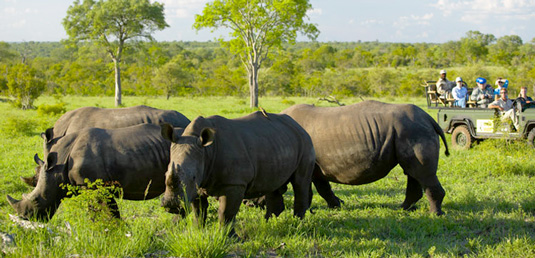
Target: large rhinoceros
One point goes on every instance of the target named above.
(135, 157)
(89, 117)
(361, 143)
(233, 159)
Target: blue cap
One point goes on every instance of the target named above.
(481, 80)
(505, 84)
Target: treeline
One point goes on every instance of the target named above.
(303, 69)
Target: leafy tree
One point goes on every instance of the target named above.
(256, 27)
(475, 45)
(6, 53)
(25, 84)
(111, 24)
(175, 75)
(505, 49)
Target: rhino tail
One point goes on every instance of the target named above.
(440, 132)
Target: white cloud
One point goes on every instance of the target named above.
(9, 11)
(315, 11)
(371, 22)
(183, 8)
(479, 10)
(406, 21)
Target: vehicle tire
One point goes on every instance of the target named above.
(461, 138)
(531, 138)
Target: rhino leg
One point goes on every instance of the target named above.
(435, 195)
(325, 191)
(200, 207)
(274, 204)
(229, 204)
(301, 182)
(413, 193)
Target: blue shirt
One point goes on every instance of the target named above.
(459, 93)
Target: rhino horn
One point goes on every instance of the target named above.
(38, 160)
(29, 181)
(12, 201)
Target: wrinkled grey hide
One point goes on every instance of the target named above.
(361, 143)
(136, 157)
(234, 159)
(89, 117)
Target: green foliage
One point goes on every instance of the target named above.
(489, 204)
(13, 125)
(89, 202)
(256, 27)
(25, 84)
(111, 24)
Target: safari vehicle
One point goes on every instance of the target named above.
(470, 124)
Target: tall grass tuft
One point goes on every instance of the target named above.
(194, 241)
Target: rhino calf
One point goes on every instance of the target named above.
(361, 143)
(135, 157)
(233, 159)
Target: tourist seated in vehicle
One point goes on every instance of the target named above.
(524, 100)
(444, 86)
(459, 93)
(483, 94)
(505, 105)
(500, 83)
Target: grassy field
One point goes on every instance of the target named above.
(489, 204)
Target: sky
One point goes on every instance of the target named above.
(403, 21)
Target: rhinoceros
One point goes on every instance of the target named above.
(233, 159)
(361, 143)
(88, 117)
(135, 157)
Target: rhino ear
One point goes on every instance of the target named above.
(51, 160)
(168, 132)
(38, 160)
(207, 137)
(48, 135)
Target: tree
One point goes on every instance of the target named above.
(505, 49)
(25, 84)
(111, 24)
(175, 75)
(475, 45)
(257, 26)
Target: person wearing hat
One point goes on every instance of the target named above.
(483, 94)
(444, 86)
(501, 83)
(505, 105)
(459, 93)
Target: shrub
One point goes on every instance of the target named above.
(93, 197)
(15, 125)
(54, 109)
(25, 85)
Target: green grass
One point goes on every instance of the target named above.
(489, 204)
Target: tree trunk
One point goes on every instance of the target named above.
(253, 86)
(117, 83)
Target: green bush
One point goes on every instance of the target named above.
(54, 109)
(92, 199)
(15, 125)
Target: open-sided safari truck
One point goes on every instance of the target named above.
(472, 123)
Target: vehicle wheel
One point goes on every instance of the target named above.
(461, 138)
(531, 138)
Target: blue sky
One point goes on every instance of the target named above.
(436, 21)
